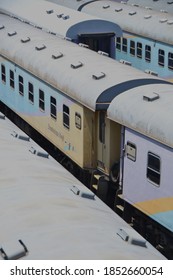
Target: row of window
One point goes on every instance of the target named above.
(136, 50)
(153, 163)
(53, 102)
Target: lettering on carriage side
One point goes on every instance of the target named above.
(56, 132)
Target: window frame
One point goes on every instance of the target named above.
(161, 57)
(124, 45)
(132, 48)
(148, 53)
(21, 85)
(41, 100)
(170, 65)
(31, 92)
(3, 73)
(153, 174)
(118, 43)
(139, 50)
(53, 108)
(66, 116)
(12, 79)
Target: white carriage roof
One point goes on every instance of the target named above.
(61, 20)
(164, 6)
(147, 110)
(84, 75)
(143, 22)
(38, 206)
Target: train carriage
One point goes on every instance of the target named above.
(146, 43)
(89, 31)
(146, 159)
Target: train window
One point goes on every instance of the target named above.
(170, 60)
(131, 151)
(78, 120)
(3, 73)
(66, 116)
(153, 168)
(139, 50)
(161, 57)
(11, 79)
(21, 87)
(41, 100)
(31, 92)
(53, 107)
(132, 47)
(147, 53)
(124, 45)
(118, 43)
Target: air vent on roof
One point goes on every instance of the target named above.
(103, 53)
(147, 16)
(148, 8)
(25, 40)
(38, 153)
(88, 195)
(57, 55)
(163, 11)
(12, 33)
(151, 96)
(125, 62)
(138, 242)
(123, 234)
(151, 72)
(83, 45)
(123, 2)
(16, 255)
(76, 65)
(21, 137)
(106, 6)
(132, 13)
(98, 76)
(40, 47)
(118, 10)
(49, 12)
(2, 27)
(162, 20)
(135, 5)
(60, 15)
(65, 17)
(170, 22)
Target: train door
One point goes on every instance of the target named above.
(108, 143)
(99, 42)
(101, 144)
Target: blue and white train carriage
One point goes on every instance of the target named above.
(89, 31)
(63, 91)
(147, 35)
